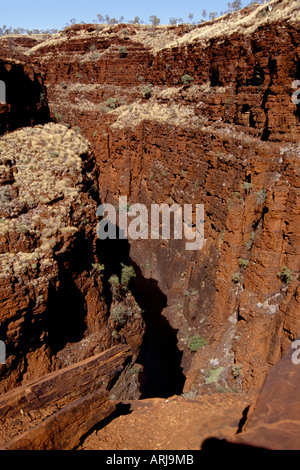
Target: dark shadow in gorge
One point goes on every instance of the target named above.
(26, 97)
(159, 355)
(65, 314)
(65, 317)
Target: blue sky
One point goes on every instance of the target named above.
(45, 14)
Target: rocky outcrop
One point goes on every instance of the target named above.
(178, 423)
(54, 310)
(274, 420)
(50, 286)
(53, 413)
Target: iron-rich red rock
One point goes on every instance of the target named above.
(274, 420)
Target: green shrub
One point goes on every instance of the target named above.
(244, 263)
(22, 228)
(114, 280)
(191, 293)
(135, 369)
(236, 277)
(285, 275)
(192, 393)
(127, 273)
(114, 283)
(247, 186)
(147, 90)
(123, 51)
(39, 300)
(186, 79)
(104, 109)
(125, 32)
(98, 267)
(118, 314)
(236, 370)
(93, 48)
(196, 342)
(249, 242)
(63, 85)
(6, 195)
(112, 103)
(57, 117)
(212, 375)
(261, 196)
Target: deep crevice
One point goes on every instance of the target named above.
(243, 419)
(162, 375)
(65, 315)
(159, 355)
(66, 312)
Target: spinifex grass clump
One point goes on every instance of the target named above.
(285, 275)
(196, 342)
(186, 79)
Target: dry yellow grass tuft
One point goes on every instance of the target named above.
(47, 160)
(47, 176)
(130, 116)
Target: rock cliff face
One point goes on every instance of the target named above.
(227, 138)
(276, 427)
(44, 211)
(53, 311)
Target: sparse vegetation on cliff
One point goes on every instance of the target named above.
(131, 115)
(196, 342)
(48, 169)
(244, 263)
(236, 277)
(212, 375)
(186, 79)
(124, 308)
(98, 267)
(127, 273)
(261, 196)
(123, 51)
(286, 275)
